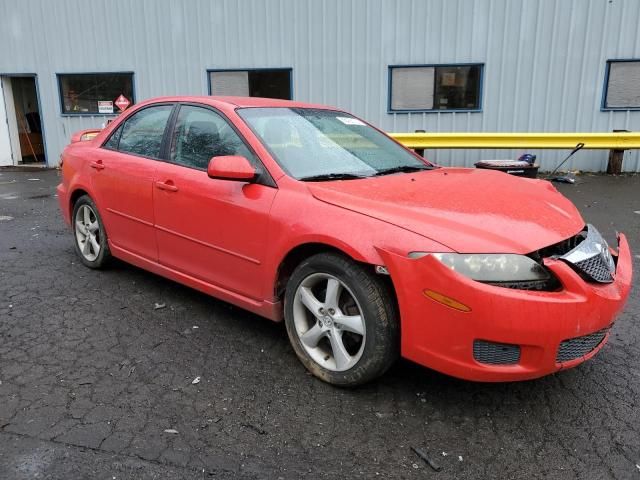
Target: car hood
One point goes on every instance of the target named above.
(468, 210)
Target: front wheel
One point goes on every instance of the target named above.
(341, 320)
(90, 236)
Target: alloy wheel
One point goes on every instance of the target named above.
(87, 231)
(329, 322)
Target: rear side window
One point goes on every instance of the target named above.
(142, 133)
(201, 134)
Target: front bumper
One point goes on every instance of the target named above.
(63, 201)
(442, 338)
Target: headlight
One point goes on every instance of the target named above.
(491, 267)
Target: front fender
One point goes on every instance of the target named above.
(297, 218)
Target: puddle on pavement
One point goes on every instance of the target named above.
(13, 196)
(35, 463)
(46, 195)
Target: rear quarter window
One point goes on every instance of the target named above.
(114, 139)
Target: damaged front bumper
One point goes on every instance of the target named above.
(528, 334)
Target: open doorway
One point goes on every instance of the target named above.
(22, 142)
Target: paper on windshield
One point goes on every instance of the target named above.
(351, 121)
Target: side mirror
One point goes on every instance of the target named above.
(231, 167)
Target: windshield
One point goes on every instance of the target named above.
(314, 144)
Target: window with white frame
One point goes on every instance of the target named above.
(435, 87)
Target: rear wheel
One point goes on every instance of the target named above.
(89, 234)
(341, 320)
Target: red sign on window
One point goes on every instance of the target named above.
(122, 103)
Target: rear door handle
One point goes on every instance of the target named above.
(98, 165)
(168, 186)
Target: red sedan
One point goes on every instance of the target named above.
(308, 214)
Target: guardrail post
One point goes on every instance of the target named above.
(615, 158)
(615, 162)
(420, 151)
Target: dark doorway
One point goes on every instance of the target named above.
(24, 120)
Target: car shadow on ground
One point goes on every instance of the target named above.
(403, 377)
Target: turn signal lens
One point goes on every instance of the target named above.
(448, 301)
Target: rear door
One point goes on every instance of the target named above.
(122, 178)
(213, 230)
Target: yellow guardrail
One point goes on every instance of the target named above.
(604, 141)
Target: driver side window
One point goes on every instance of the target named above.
(200, 134)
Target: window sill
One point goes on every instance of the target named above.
(465, 110)
(619, 109)
(87, 114)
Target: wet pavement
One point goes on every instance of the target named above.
(92, 376)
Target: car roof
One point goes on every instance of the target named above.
(237, 102)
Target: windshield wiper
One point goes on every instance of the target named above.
(331, 176)
(404, 169)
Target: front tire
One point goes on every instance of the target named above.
(89, 234)
(341, 319)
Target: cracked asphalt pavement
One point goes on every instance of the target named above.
(93, 375)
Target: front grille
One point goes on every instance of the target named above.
(549, 285)
(495, 353)
(596, 269)
(579, 346)
(587, 253)
(563, 247)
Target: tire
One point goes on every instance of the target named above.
(352, 335)
(89, 234)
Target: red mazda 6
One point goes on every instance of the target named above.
(308, 214)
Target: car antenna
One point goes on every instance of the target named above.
(565, 178)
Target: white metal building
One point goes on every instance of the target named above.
(435, 65)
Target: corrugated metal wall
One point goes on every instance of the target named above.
(544, 60)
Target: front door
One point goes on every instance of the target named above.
(6, 156)
(213, 230)
(122, 174)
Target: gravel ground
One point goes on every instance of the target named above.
(92, 377)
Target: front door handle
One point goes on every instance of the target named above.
(98, 165)
(168, 186)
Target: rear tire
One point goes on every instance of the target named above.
(341, 319)
(90, 237)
